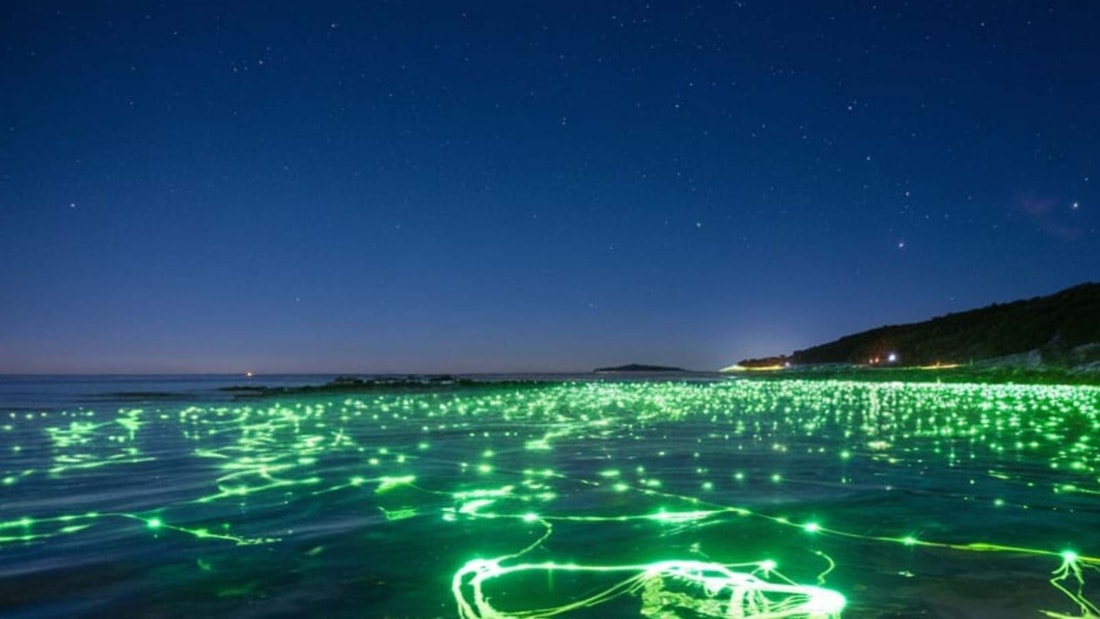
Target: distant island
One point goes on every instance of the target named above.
(356, 384)
(1059, 331)
(638, 367)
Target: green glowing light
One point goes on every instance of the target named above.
(389, 483)
(394, 515)
(278, 455)
(664, 589)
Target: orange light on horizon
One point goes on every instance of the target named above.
(939, 366)
(760, 368)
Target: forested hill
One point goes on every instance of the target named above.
(1061, 329)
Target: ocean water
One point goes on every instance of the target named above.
(168, 497)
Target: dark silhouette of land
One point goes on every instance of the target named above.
(1060, 331)
(638, 367)
(356, 384)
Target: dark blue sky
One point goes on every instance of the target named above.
(515, 186)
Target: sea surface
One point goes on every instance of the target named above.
(167, 496)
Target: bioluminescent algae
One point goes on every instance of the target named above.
(740, 498)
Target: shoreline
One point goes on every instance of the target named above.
(447, 382)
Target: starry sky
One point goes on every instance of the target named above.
(528, 186)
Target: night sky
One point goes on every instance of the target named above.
(520, 186)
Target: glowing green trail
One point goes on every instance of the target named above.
(807, 474)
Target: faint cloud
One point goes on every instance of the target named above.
(1049, 216)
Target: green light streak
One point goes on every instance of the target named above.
(506, 455)
(38, 529)
(699, 588)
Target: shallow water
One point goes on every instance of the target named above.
(161, 496)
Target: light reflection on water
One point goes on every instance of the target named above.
(367, 504)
